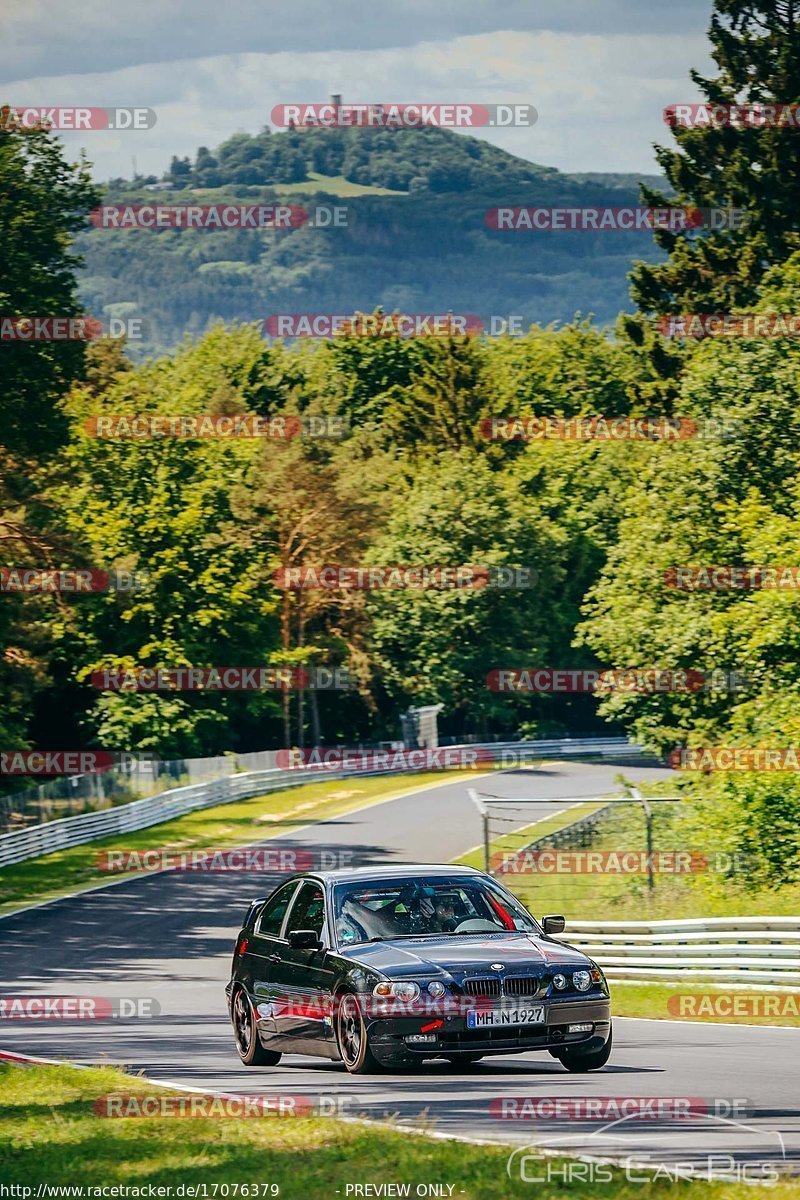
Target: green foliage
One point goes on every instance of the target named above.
(43, 202)
(756, 47)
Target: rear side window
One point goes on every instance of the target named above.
(274, 910)
(309, 910)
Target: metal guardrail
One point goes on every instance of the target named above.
(76, 830)
(710, 949)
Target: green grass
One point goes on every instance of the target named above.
(628, 897)
(334, 185)
(52, 1135)
(225, 825)
(619, 897)
(331, 185)
(652, 1001)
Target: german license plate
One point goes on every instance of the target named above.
(494, 1018)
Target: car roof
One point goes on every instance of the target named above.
(399, 871)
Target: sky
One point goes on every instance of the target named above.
(598, 73)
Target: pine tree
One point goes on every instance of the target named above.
(756, 45)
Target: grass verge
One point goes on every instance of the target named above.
(52, 1135)
(717, 1004)
(623, 897)
(226, 825)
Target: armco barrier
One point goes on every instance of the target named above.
(712, 949)
(41, 839)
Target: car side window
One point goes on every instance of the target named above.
(308, 910)
(273, 912)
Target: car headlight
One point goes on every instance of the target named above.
(400, 991)
(436, 989)
(560, 982)
(582, 980)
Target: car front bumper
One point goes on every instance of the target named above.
(388, 1036)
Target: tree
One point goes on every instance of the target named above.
(43, 203)
(756, 46)
(446, 398)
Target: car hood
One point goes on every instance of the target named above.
(464, 955)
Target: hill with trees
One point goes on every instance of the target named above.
(416, 238)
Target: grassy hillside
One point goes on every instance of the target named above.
(416, 236)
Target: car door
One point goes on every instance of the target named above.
(264, 955)
(307, 976)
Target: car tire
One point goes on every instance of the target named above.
(245, 1034)
(351, 1037)
(578, 1062)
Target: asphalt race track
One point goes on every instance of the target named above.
(169, 937)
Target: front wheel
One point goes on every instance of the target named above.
(578, 1061)
(248, 1045)
(351, 1037)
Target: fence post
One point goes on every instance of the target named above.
(483, 810)
(648, 817)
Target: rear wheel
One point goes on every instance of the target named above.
(578, 1061)
(248, 1045)
(351, 1037)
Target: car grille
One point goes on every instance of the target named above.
(521, 985)
(512, 985)
(482, 987)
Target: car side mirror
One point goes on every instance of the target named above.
(553, 924)
(303, 939)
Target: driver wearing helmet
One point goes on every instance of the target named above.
(445, 914)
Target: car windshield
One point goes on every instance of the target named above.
(379, 910)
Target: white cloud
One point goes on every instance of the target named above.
(599, 96)
(42, 38)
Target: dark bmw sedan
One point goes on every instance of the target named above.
(381, 967)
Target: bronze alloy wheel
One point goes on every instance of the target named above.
(351, 1036)
(248, 1045)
